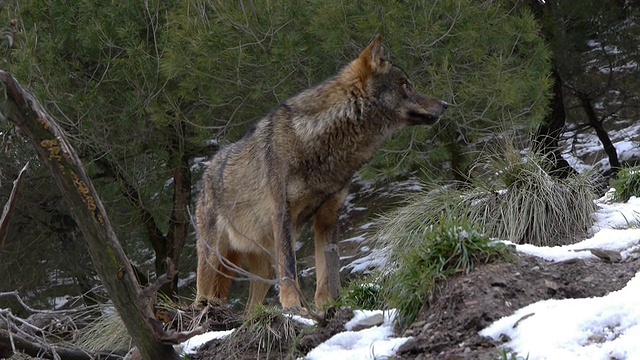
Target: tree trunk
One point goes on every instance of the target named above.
(180, 220)
(549, 132)
(596, 124)
(53, 148)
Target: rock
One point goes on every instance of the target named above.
(426, 326)
(551, 285)
(597, 338)
(607, 255)
(419, 324)
(453, 357)
(371, 321)
(499, 282)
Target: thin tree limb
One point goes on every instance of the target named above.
(9, 208)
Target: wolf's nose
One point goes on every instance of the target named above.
(444, 104)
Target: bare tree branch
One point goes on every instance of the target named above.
(9, 208)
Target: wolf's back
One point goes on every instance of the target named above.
(236, 184)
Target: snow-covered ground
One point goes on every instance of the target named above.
(606, 327)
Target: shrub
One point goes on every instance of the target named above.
(447, 229)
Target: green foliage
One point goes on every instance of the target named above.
(484, 58)
(627, 184)
(132, 72)
(363, 294)
(423, 257)
(93, 65)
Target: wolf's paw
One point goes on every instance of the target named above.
(296, 310)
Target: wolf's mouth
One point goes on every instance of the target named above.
(419, 118)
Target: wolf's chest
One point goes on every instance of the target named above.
(304, 200)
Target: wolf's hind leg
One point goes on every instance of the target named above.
(259, 265)
(216, 262)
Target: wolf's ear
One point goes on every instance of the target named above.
(371, 56)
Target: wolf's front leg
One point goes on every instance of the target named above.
(325, 226)
(286, 261)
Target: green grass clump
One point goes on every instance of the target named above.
(627, 184)
(364, 294)
(507, 354)
(443, 246)
(446, 230)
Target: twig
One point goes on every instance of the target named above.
(23, 335)
(31, 310)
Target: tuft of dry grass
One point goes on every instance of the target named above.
(106, 332)
(266, 333)
(519, 201)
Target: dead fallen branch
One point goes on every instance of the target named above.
(44, 350)
(40, 334)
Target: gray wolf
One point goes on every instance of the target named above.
(295, 167)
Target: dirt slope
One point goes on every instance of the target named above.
(448, 329)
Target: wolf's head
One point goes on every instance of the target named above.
(391, 91)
